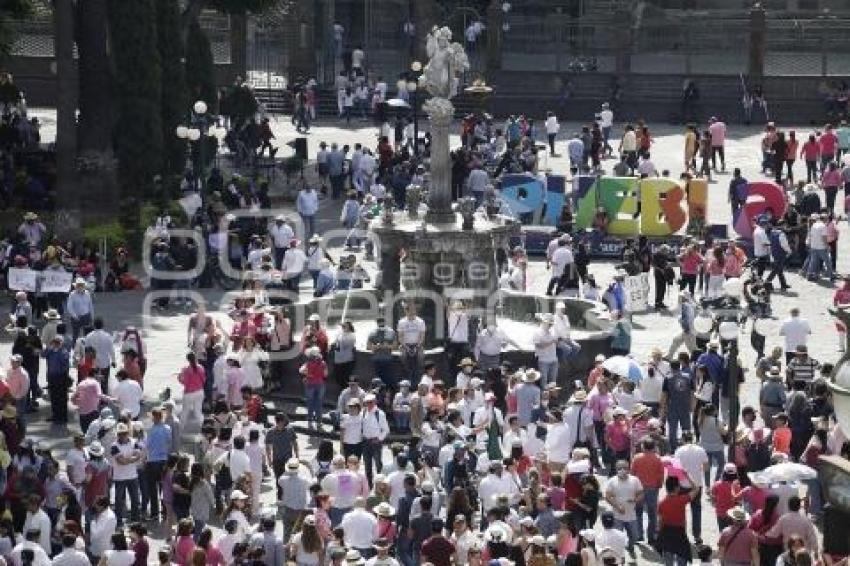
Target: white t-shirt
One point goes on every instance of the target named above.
(293, 262)
(357, 57)
(561, 257)
(544, 350)
(552, 125)
(692, 458)
(124, 471)
(616, 540)
(606, 119)
(817, 236)
(410, 331)
(629, 142)
(796, 331)
(129, 394)
(761, 243)
(562, 326)
(120, 557)
(625, 493)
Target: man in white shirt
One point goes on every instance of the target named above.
(544, 350)
(477, 183)
(236, 459)
(342, 486)
(125, 456)
(552, 129)
(694, 461)
(307, 205)
(796, 331)
(559, 442)
(623, 492)
(375, 430)
(294, 263)
(411, 335)
(490, 486)
(611, 539)
(129, 394)
(104, 351)
(761, 246)
(606, 121)
(30, 542)
(357, 57)
(359, 527)
(561, 259)
(489, 344)
(628, 146)
(70, 556)
(103, 526)
(282, 234)
(579, 419)
(458, 338)
(38, 520)
(819, 249)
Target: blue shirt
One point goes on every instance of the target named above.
(336, 159)
(159, 443)
(714, 365)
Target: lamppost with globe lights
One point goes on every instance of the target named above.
(413, 89)
(201, 125)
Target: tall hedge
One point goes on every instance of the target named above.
(138, 95)
(175, 99)
(200, 69)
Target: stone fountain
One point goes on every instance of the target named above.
(433, 258)
(834, 471)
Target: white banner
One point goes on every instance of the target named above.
(56, 281)
(22, 279)
(637, 292)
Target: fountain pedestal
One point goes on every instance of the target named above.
(440, 113)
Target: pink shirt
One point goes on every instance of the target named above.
(183, 550)
(811, 151)
(598, 404)
(18, 382)
(690, 263)
(831, 178)
(87, 397)
(828, 142)
(731, 265)
(192, 378)
(234, 387)
(618, 435)
(718, 134)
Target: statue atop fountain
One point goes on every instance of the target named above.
(440, 78)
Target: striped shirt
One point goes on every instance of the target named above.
(803, 369)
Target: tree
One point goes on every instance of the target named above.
(138, 95)
(11, 10)
(200, 70)
(95, 158)
(175, 99)
(66, 107)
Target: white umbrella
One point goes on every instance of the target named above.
(397, 103)
(788, 471)
(624, 367)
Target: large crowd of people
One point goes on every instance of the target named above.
(480, 463)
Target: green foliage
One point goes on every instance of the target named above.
(12, 10)
(138, 95)
(200, 69)
(175, 98)
(112, 231)
(239, 104)
(149, 212)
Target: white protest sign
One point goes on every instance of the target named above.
(22, 279)
(637, 292)
(56, 281)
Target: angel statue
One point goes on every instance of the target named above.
(446, 60)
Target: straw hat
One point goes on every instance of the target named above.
(530, 376)
(466, 362)
(384, 509)
(52, 314)
(737, 514)
(639, 409)
(580, 396)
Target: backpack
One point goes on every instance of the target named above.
(758, 456)
(223, 478)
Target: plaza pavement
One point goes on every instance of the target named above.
(165, 334)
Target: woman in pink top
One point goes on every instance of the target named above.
(842, 297)
(192, 377)
(810, 153)
(690, 262)
(830, 181)
(732, 265)
(792, 145)
(832, 236)
(714, 268)
(828, 143)
(184, 545)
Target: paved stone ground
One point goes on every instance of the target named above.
(165, 334)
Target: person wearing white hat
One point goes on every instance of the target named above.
(527, 395)
(18, 383)
(375, 431)
(488, 423)
(545, 340)
(126, 454)
(79, 307)
(292, 267)
(738, 544)
(281, 234)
